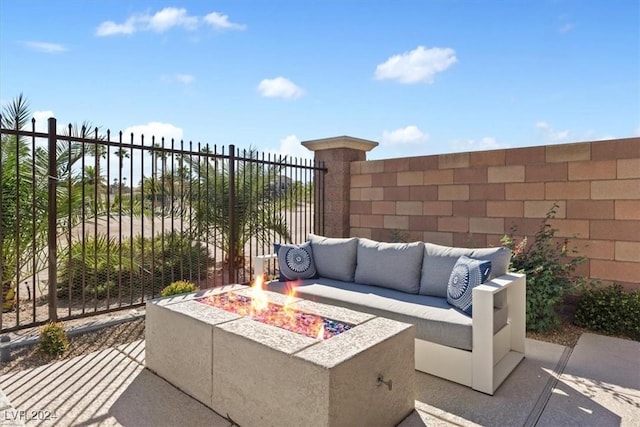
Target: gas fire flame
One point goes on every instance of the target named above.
(259, 300)
(320, 335)
(256, 306)
(260, 305)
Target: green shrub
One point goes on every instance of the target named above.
(610, 310)
(93, 267)
(549, 267)
(398, 236)
(53, 339)
(179, 287)
(171, 257)
(106, 267)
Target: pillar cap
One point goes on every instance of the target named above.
(340, 142)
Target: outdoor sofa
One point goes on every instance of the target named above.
(476, 342)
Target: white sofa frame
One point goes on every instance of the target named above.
(494, 356)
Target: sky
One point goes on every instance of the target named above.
(418, 77)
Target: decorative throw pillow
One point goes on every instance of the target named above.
(467, 274)
(296, 262)
(276, 248)
(439, 261)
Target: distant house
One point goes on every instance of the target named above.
(280, 184)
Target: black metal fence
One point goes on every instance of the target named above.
(92, 223)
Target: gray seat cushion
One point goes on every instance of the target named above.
(390, 265)
(439, 261)
(334, 258)
(435, 320)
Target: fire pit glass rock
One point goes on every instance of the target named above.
(282, 316)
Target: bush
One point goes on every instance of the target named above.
(549, 269)
(105, 267)
(92, 267)
(610, 310)
(398, 236)
(179, 287)
(170, 257)
(53, 339)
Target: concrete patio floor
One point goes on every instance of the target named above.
(595, 384)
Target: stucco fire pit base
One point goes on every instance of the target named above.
(261, 375)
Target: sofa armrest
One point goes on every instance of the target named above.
(259, 261)
(485, 347)
(515, 286)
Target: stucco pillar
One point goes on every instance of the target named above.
(336, 153)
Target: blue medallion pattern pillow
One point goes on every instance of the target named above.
(276, 249)
(296, 262)
(467, 274)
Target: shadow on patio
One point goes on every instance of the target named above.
(598, 383)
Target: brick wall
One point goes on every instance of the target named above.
(473, 199)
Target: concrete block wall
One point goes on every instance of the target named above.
(473, 199)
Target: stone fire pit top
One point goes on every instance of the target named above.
(327, 353)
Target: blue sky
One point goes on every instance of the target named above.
(419, 77)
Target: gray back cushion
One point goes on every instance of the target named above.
(390, 265)
(335, 258)
(439, 261)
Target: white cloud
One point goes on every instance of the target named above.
(637, 131)
(157, 129)
(291, 150)
(164, 20)
(185, 78)
(418, 66)
(42, 125)
(45, 47)
(110, 28)
(170, 17)
(550, 134)
(220, 21)
(407, 135)
(279, 88)
(179, 78)
(565, 28)
(485, 143)
(565, 25)
(291, 147)
(42, 120)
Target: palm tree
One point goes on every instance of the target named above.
(18, 225)
(122, 154)
(156, 155)
(98, 151)
(256, 212)
(151, 189)
(24, 178)
(91, 177)
(164, 178)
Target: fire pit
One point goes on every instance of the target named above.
(287, 362)
(257, 307)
